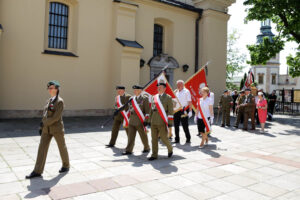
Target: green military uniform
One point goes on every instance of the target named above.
(135, 124)
(240, 110)
(225, 104)
(158, 126)
(52, 127)
(249, 111)
(118, 120)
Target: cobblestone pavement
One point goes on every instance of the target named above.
(235, 165)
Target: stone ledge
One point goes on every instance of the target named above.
(16, 114)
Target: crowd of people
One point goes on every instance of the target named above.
(249, 103)
(140, 114)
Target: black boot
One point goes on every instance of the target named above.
(63, 169)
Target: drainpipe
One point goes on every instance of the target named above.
(197, 42)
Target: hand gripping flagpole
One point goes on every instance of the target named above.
(123, 107)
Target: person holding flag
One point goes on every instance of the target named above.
(161, 117)
(121, 117)
(139, 115)
(204, 115)
(183, 115)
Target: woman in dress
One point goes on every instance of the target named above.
(205, 116)
(262, 107)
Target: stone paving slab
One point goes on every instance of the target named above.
(235, 164)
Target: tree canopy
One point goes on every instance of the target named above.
(285, 14)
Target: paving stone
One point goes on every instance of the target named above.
(127, 193)
(221, 186)
(11, 188)
(240, 180)
(104, 184)
(153, 188)
(177, 182)
(200, 192)
(94, 196)
(246, 194)
(267, 189)
(174, 195)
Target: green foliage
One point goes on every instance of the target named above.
(294, 63)
(261, 53)
(235, 59)
(285, 14)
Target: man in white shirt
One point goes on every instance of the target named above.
(184, 97)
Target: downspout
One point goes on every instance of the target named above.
(197, 42)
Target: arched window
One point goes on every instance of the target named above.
(158, 39)
(58, 26)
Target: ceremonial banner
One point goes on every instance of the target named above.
(151, 90)
(249, 80)
(194, 83)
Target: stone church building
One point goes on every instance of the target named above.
(90, 46)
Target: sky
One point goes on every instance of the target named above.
(249, 31)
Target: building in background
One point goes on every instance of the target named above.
(92, 46)
(267, 76)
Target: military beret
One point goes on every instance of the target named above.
(55, 83)
(120, 87)
(137, 87)
(225, 91)
(247, 89)
(242, 92)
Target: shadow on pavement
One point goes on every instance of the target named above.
(39, 186)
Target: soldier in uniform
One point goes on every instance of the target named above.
(240, 109)
(225, 103)
(249, 109)
(51, 126)
(161, 117)
(139, 115)
(120, 100)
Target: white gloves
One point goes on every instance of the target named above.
(211, 120)
(190, 114)
(195, 119)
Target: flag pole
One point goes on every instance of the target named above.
(163, 69)
(202, 67)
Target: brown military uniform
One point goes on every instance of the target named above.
(225, 104)
(52, 127)
(158, 126)
(118, 120)
(135, 124)
(240, 110)
(249, 111)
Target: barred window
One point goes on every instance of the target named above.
(58, 26)
(158, 40)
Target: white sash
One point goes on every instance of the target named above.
(124, 113)
(161, 109)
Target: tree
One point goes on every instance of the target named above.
(235, 59)
(285, 14)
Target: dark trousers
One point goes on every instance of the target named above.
(201, 125)
(185, 125)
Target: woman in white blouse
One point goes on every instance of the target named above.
(207, 111)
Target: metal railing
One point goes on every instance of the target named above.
(287, 108)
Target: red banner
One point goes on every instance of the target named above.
(194, 83)
(151, 90)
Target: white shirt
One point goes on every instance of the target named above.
(184, 96)
(212, 98)
(205, 103)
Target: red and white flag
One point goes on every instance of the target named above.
(123, 113)
(151, 90)
(194, 83)
(249, 80)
